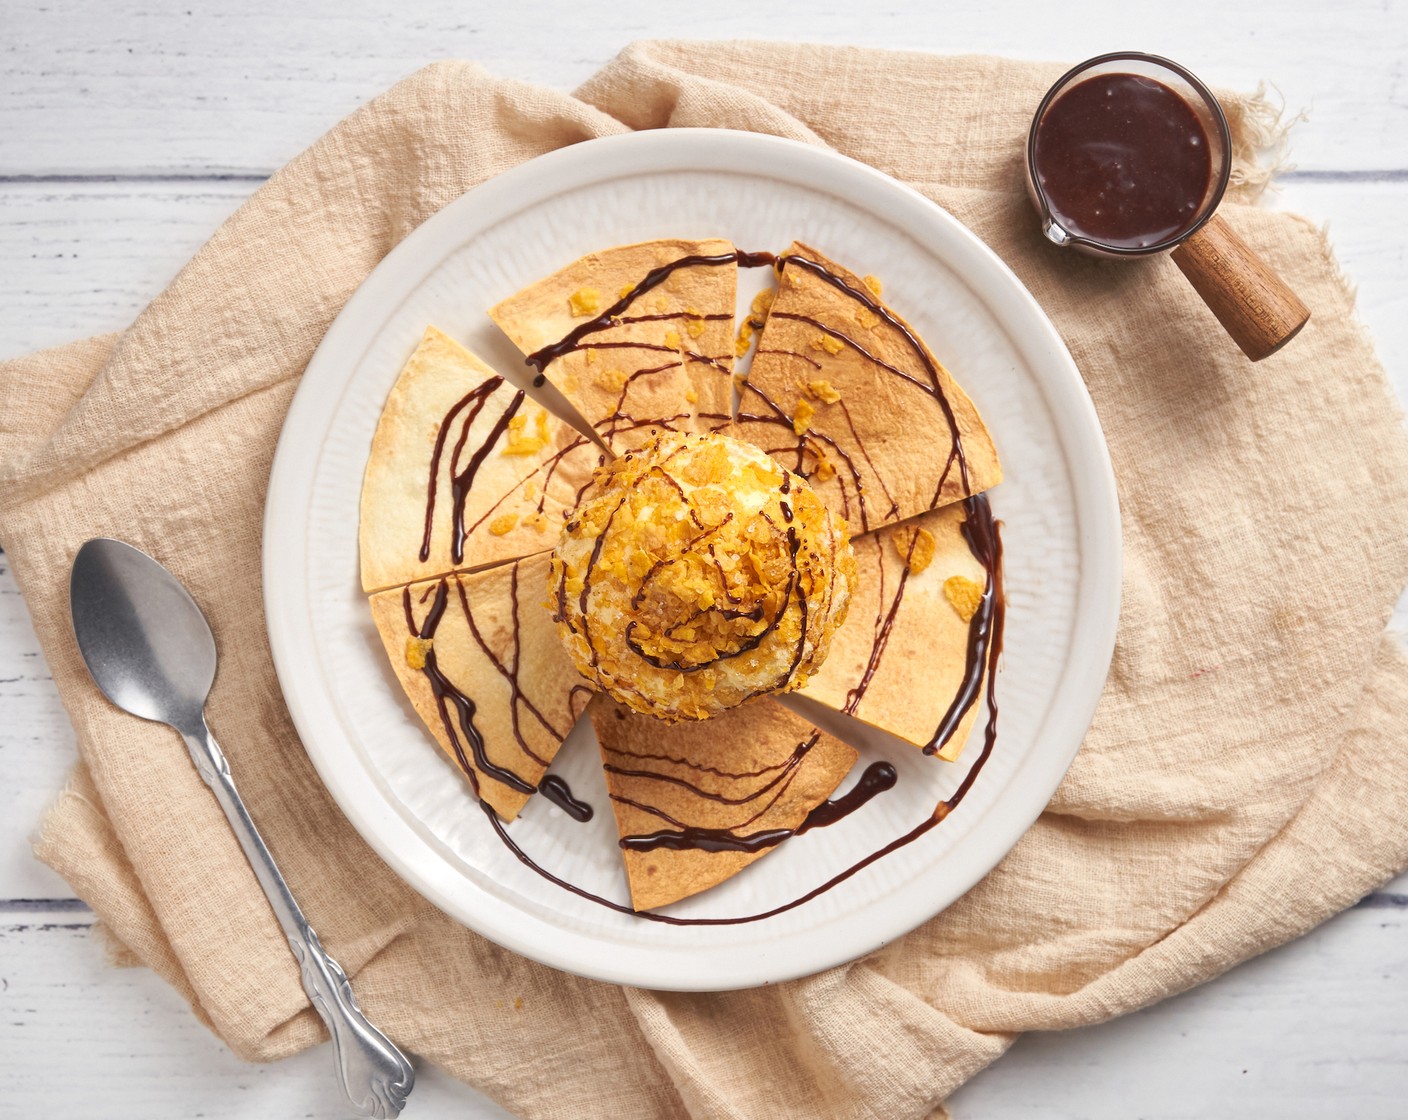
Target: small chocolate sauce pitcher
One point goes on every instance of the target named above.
(1129, 155)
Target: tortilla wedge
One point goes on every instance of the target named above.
(520, 469)
(482, 665)
(665, 360)
(903, 677)
(752, 769)
(843, 391)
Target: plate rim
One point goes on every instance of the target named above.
(1095, 501)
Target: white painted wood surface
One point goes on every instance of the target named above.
(131, 129)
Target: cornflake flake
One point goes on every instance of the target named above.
(521, 441)
(584, 302)
(745, 338)
(802, 417)
(416, 650)
(915, 546)
(965, 595)
(823, 391)
(612, 380)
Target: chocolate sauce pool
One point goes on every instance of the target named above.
(560, 794)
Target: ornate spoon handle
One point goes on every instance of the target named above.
(374, 1075)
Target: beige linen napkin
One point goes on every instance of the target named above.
(1244, 779)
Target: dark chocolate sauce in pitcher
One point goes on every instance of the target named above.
(1123, 160)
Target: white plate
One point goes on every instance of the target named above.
(1057, 503)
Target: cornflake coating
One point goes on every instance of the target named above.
(697, 573)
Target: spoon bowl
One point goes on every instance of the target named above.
(146, 642)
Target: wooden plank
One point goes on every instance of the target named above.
(82, 259)
(97, 86)
(1314, 1029)
(36, 748)
(1310, 1030)
(78, 1036)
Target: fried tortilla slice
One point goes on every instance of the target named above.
(461, 455)
(842, 389)
(901, 656)
(661, 358)
(483, 667)
(688, 796)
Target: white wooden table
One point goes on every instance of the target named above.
(129, 130)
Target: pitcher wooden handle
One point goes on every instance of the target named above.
(1252, 303)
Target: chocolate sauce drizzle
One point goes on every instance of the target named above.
(540, 359)
(984, 644)
(460, 728)
(935, 386)
(984, 641)
(461, 480)
(874, 780)
(779, 783)
(581, 336)
(878, 777)
(517, 699)
(968, 690)
(984, 629)
(795, 595)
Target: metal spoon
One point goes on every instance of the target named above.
(151, 651)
